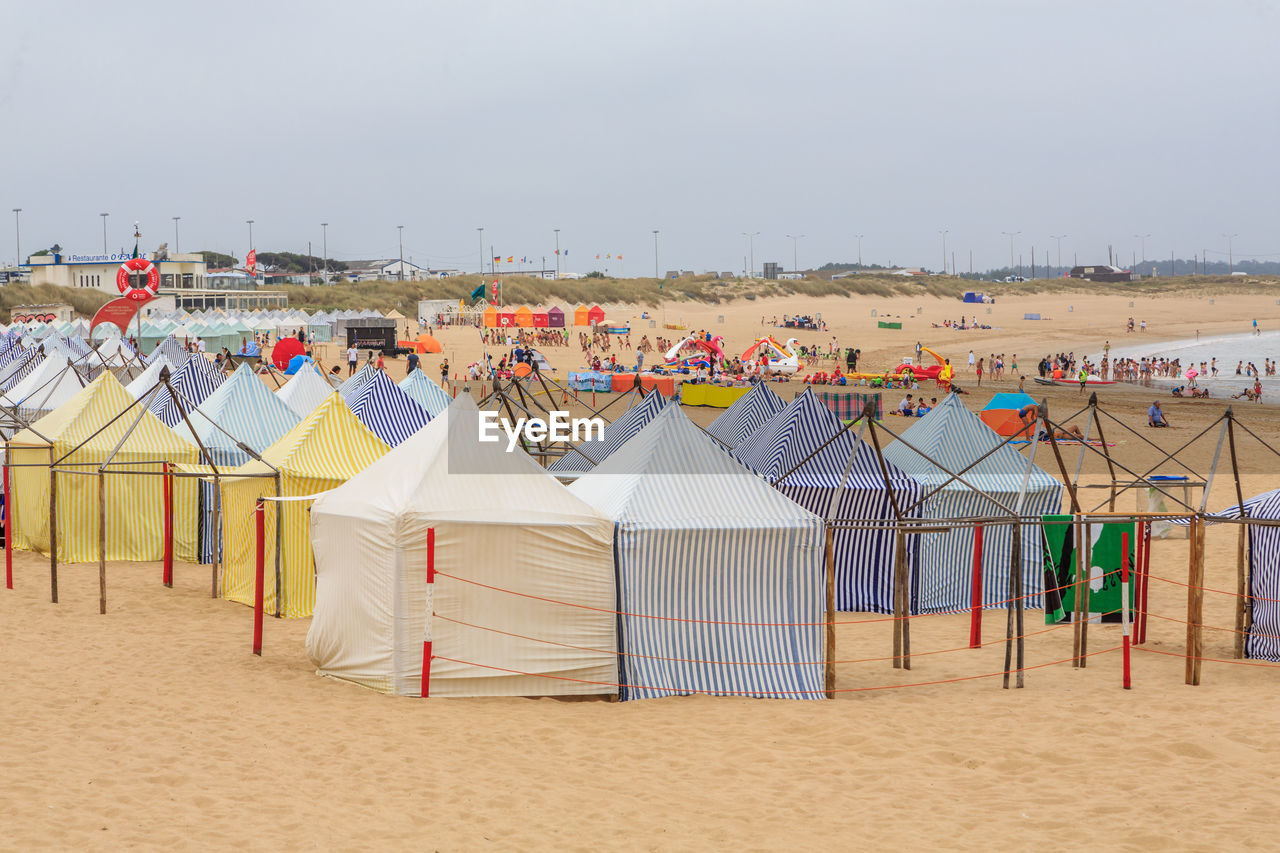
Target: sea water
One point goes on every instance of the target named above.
(1227, 349)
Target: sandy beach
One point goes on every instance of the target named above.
(153, 726)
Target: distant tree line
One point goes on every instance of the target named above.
(281, 261)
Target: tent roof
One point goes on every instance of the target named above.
(443, 471)
(615, 435)
(1009, 400)
(672, 475)
(194, 381)
(746, 415)
(352, 386)
(955, 437)
(245, 408)
(147, 380)
(305, 390)
(46, 388)
(426, 392)
(793, 435)
(329, 444)
(391, 413)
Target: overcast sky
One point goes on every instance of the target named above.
(895, 120)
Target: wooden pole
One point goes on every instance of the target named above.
(216, 527)
(975, 601)
(1019, 608)
(102, 541)
(1106, 452)
(1244, 608)
(897, 606)
(830, 668)
(1195, 603)
(1146, 577)
(53, 530)
(10, 524)
(903, 621)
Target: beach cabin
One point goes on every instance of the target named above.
(524, 317)
(595, 315)
(540, 320)
(721, 578)
(506, 319)
(808, 435)
(953, 439)
(555, 318)
(498, 524)
(490, 317)
(580, 317)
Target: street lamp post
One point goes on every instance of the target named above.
(751, 252)
(944, 234)
(557, 230)
(1231, 258)
(177, 246)
(17, 233)
(481, 233)
(250, 224)
(655, 253)
(324, 228)
(400, 266)
(859, 236)
(795, 251)
(1058, 237)
(1143, 238)
(1011, 235)
(104, 231)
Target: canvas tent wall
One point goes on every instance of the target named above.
(747, 414)
(193, 382)
(721, 578)
(135, 503)
(806, 432)
(1263, 639)
(499, 520)
(324, 450)
(427, 393)
(595, 450)
(955, 438)
(304, 391)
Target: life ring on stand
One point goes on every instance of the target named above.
(125, 279)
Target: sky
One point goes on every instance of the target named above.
(706, 121)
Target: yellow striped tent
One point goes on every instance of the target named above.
(329, 447)
(135, 503)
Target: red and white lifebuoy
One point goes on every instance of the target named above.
(124, 279)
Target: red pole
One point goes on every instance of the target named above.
(1124, 602)
(8, 528)
(975, 619)
(426, 644)
(168, 527)
(260, 519)
(1146, 583)
(1138, 549)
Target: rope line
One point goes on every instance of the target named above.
(824, 623)
(1211, 627)
(772, 692)
(1219, 591)
(1185, 656)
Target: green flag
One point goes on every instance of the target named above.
(478, 292)
(135, 248)
(1102, 584)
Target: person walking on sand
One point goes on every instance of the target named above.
(970, 361)
(444, 373)
(353, 356)
(979, 373)
(1084, 378)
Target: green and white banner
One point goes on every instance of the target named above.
(1101, 572)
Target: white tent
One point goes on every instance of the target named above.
(149, 377)
(536, 548)
(305, 390)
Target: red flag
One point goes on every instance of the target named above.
(251, 261)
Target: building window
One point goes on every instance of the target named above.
(166, 280)
(188, 280)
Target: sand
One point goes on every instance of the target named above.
(154, 726)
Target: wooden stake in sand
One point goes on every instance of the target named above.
(53, 530)
(1195, 602)
(829, 671)
(102, 541)
(8, 523)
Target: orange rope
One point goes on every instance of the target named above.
(1219, 591)
(1211, 660)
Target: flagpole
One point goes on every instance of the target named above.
(137, 317)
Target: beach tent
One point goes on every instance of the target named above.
(426, 392)
(721, 578)
(595, 450)
(746, 415)
(491, 317)
(524, 316)
(193, 382)
(21, 368)
(540, 320)
(955, 438)
(580, 316)
(135, 505)
(389, 412)
(807, 435)
(52, 383)
(147, 379)
(172, 350)
(326, 449)
(1001, 414)
(351, 387)
(506, 319)
(555, 317)
(500, 520)
(304, 391)
(595, 315)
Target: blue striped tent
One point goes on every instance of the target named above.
(864, 559)
(595, 450)
(746, 415)
(701, 543)
(352, 386)
(194, 381)
(247, 413)
(389, 413)
(173, 351)
(955, 437)
(20, 368)
(427, 393)
(1263, 641)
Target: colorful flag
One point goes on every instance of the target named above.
(597, 257)
(511, 259)
(619, 257)
(524, 259)
(497, 260)
(251, 261)
(478, 292)
(557, 251)
(566, 251)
